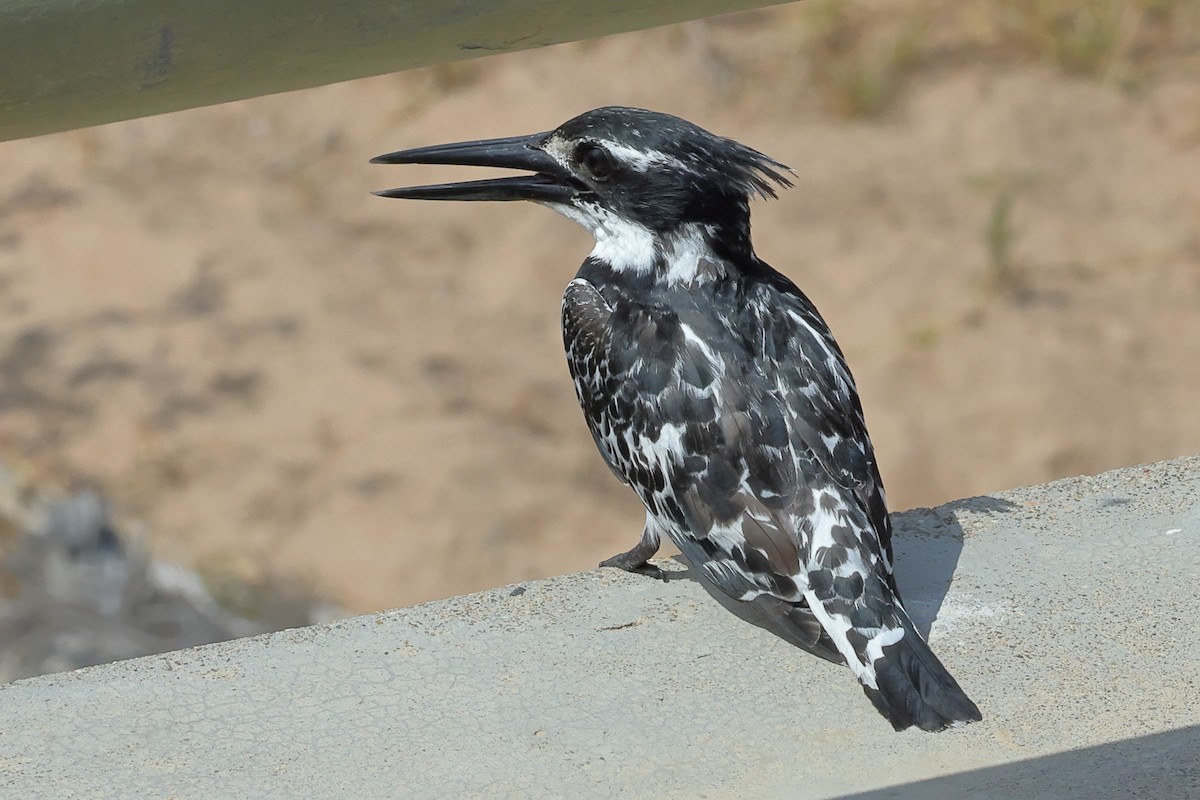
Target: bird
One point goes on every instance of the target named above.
(713, 388)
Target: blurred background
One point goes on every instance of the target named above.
(217, 344)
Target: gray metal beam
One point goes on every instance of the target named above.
(71, 63)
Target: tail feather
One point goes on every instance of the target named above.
(795, 623)
(915, 689)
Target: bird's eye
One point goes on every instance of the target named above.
(597, 162)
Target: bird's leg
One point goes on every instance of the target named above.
(637, 558)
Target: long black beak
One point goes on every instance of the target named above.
(550, 182)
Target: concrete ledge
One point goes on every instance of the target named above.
(1071, 620)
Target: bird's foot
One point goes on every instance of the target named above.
(633, 561)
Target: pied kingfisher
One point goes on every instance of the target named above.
(715, 390)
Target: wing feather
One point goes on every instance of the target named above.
(825, 411)
(739, 463)
(586, 336)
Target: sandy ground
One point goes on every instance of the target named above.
(208, 316)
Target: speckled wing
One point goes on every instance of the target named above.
(757, 455)
(709, 454)
(586, 337)
(825, 412)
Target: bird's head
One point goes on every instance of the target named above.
(637, 180)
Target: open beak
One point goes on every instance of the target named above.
(549, 181)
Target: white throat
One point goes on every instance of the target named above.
(683, 257)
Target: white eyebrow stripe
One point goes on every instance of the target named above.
(641, 160)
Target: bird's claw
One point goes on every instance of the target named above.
(624, 562)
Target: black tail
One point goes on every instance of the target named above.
(915, 689)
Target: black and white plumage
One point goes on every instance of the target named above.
(713, 388)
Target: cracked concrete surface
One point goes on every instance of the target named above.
(1069, 618)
